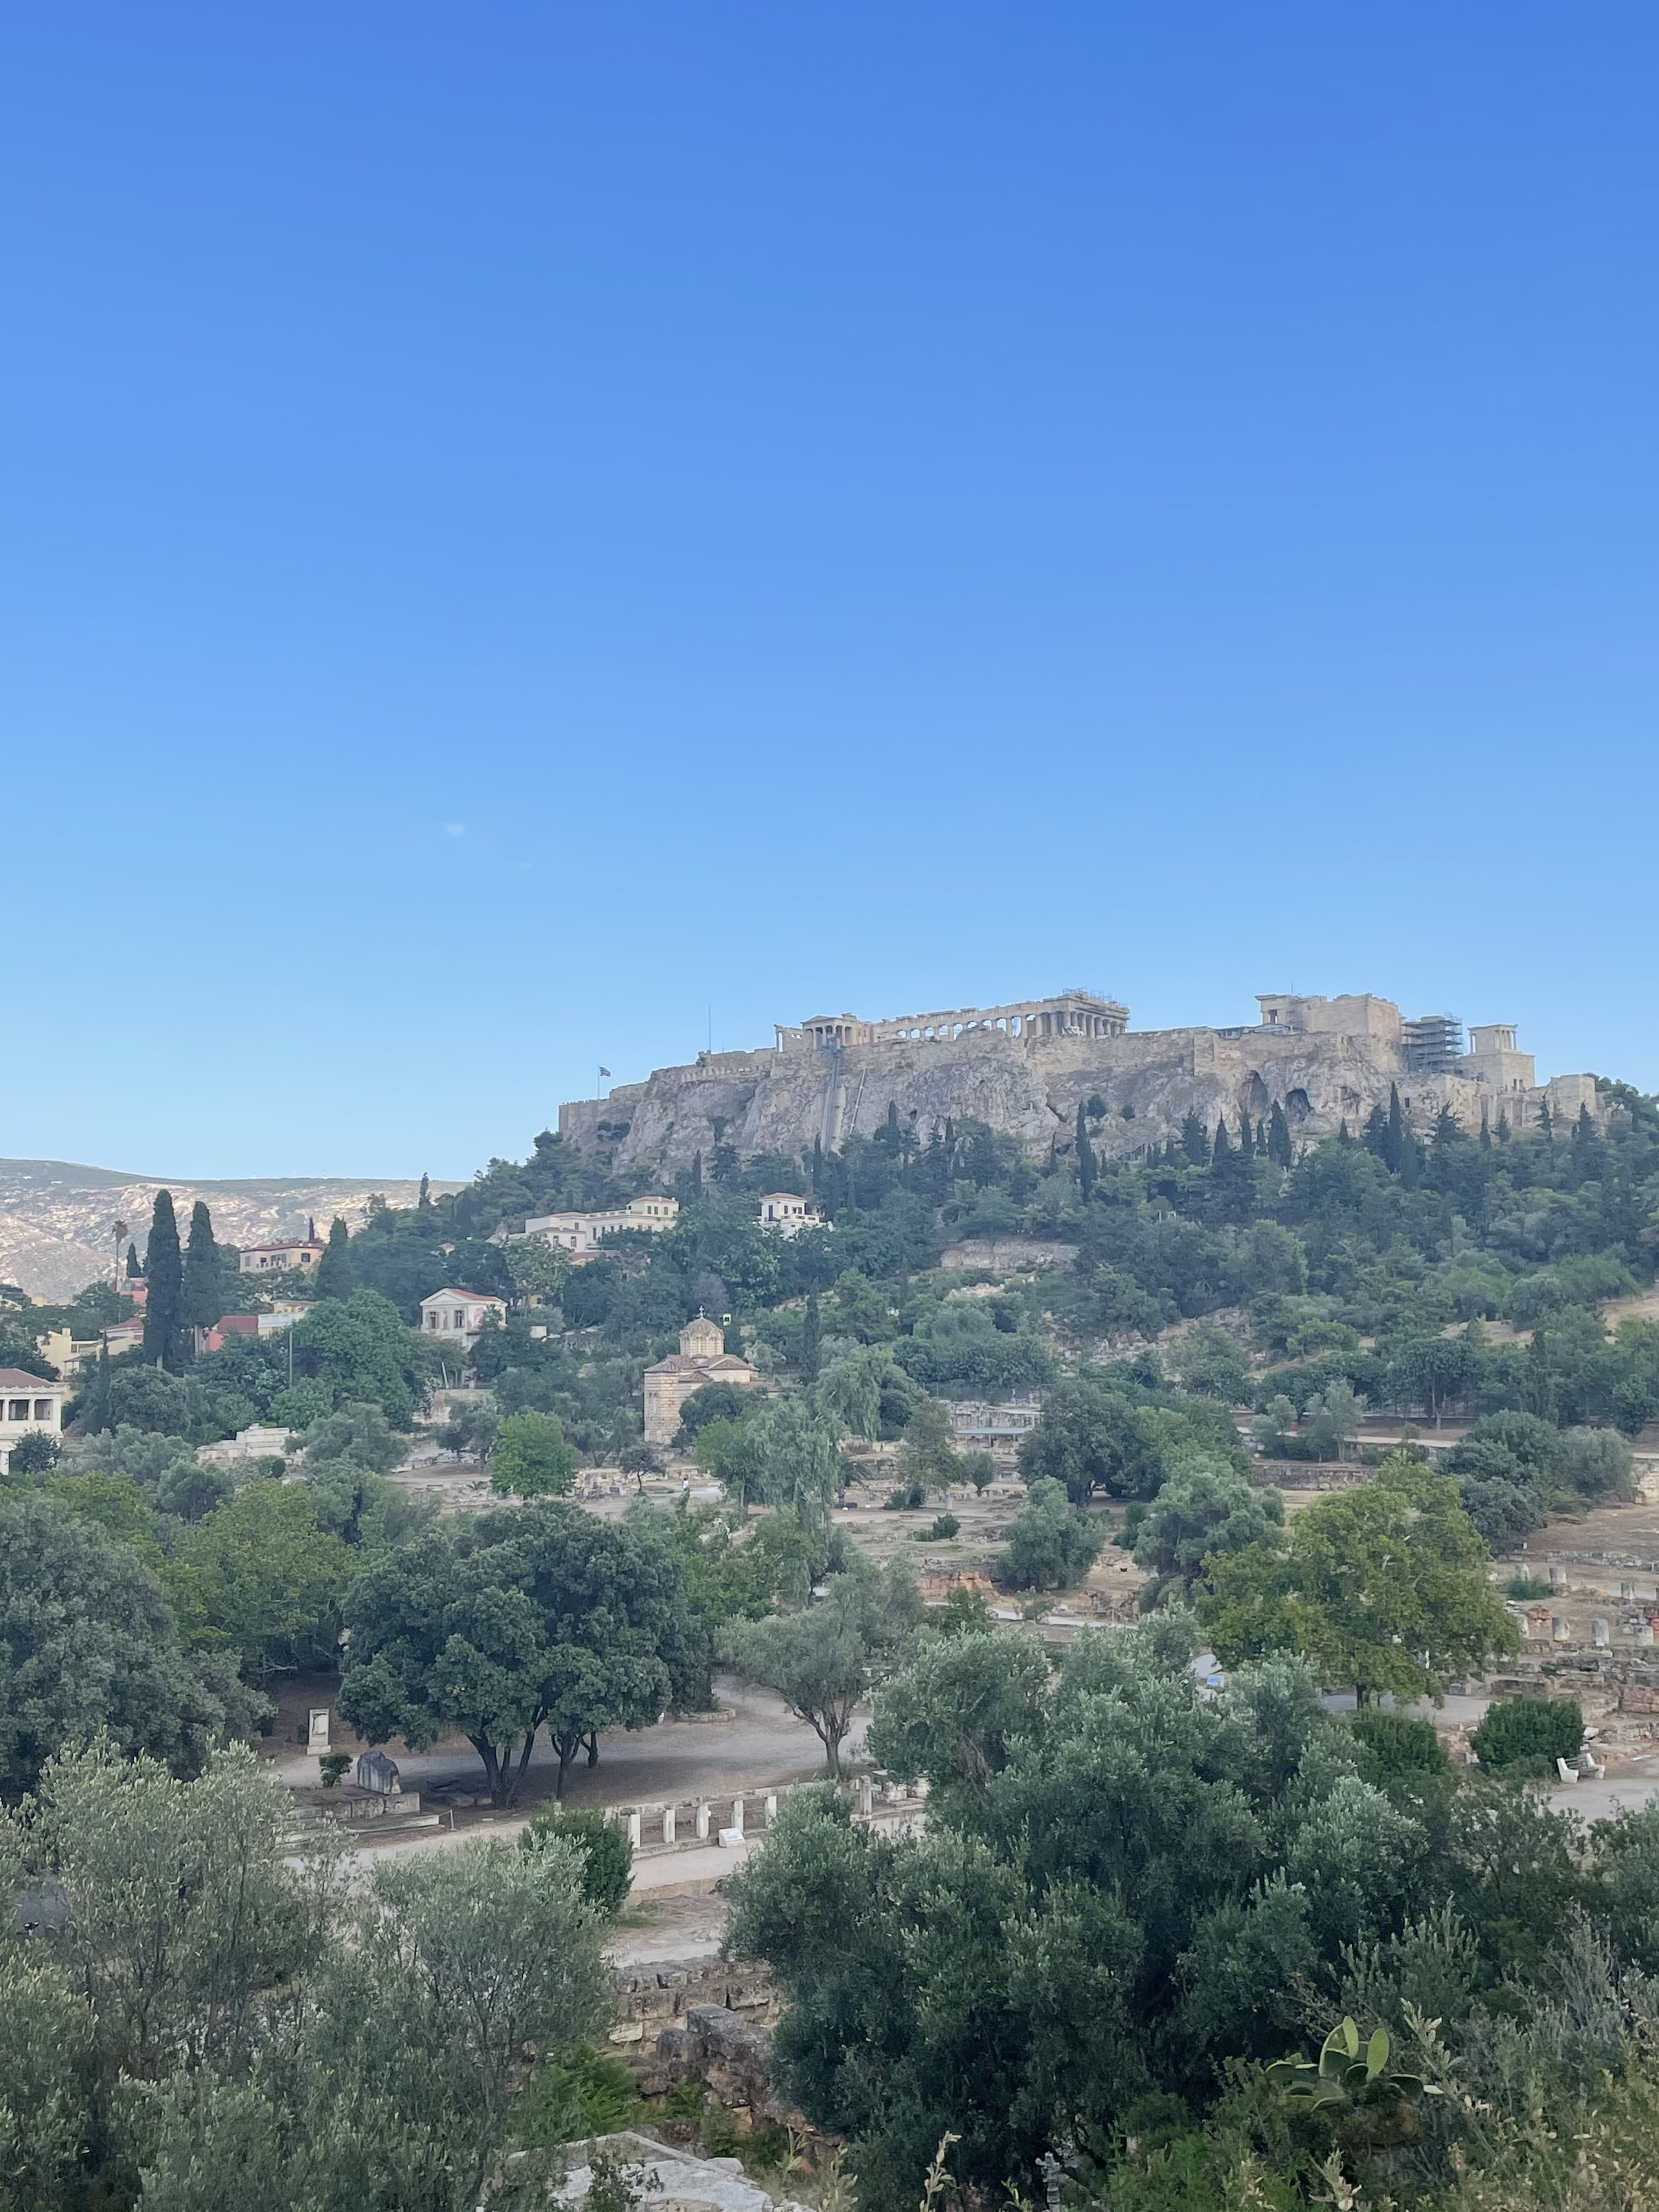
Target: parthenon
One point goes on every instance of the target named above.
(1067, 1014)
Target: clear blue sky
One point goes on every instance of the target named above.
(523, 523)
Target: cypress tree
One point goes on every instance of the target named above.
(425, 1202)
(1544, 1121)
(135, 1272)
(1221, 1148)
(1411, 1160)
(202, 1291)
(335, 1273)
(809, 1342)
(1375, 1134)
(1195, 1142)
(164, 1271)
(1502, 1124)
(1246, 1135)
(1485, 1134)
(98, 1396)
(1085, 1157)
(1394, 1139)
(1279, 1136)
(696, 1170)
(1583, 1129)
(1342, 1136)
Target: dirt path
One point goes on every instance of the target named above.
(763, 1743)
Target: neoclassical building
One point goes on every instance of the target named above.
(702, 1358)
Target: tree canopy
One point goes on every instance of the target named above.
(1383, 1587)
(514, 1621)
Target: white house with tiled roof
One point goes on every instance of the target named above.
(29, 1405)
(456, 1317)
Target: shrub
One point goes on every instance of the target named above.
(574, 2094)
(944, 1527)
(905, 1501)
(334, 1765)
(35, 1453)
(1526, 1586)
(1395, 1747)
(1524, 1737)
(607, 1855)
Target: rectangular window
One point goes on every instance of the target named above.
(17, 1409)
(43, 1409)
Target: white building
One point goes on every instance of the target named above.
(456, 1317)
(786, 1213)
(579, 1234)
(29, 1405)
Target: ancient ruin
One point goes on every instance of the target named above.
(1025, 1068)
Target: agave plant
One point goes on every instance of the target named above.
(1353, 2086)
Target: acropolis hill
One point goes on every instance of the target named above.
(1025, 1068)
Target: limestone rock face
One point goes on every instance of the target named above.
(1149, 1082)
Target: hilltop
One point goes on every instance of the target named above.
(1026, 1069)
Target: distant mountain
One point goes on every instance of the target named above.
(56, 1217)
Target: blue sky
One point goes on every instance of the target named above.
(525, 525)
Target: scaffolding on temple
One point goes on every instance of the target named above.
(1433, 1045)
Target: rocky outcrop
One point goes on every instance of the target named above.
(1029, 1088)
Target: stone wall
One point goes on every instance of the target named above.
(655, 1997)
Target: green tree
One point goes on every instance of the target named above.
(1051, 1544)
(163, 1344)
(88, 1643)
(356, 1430)
(180, 1914)
(715, 1401)
(392, 2077)
(259, 1574)
(607, 1857)
(1086, 1157)
(358, 1348)
(203, 1294)
(1394, 1134)
(46, 2058)
(1279, 1137)
(1522, 1738)
(539, 1270)
(729, 1453)
(822, 1661)
(809, 1342)
(335, 1277)
(524, 1617)
(1088, 1440)
(927, 1453)
(1208, 1361)
(1383, 1587)
(1203, 1511)
(1123, 1877)
(531, 1457)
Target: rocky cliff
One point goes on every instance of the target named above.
(1029, 1088)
